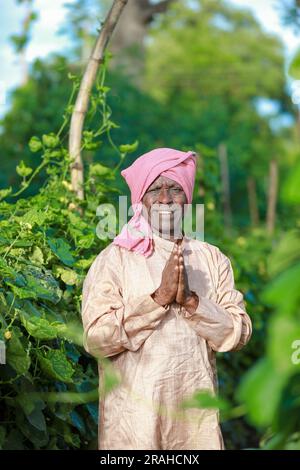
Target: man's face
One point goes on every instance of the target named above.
(163, 205)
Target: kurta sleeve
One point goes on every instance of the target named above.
(110, 325)
(223, 322)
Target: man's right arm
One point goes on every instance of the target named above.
(110, 325)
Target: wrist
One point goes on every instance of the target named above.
(192, 302)
(159, 298)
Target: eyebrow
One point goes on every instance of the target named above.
(172, 185)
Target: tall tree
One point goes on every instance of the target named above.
(82, 100)
(130, 35)
(21, 40)
(222, 151)
(215, 63)
(128, 41)
(272, 196)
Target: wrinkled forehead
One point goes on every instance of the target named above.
(164, 180)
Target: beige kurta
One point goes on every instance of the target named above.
(162, 354)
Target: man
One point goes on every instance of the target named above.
(160, 304)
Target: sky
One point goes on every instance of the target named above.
(45, 38)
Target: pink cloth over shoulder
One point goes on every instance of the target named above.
(179, 166)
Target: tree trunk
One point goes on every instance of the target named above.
(222, 151)
(252, 198)
(82, 101)
(129, 36)
(272, 196)
(200, 167)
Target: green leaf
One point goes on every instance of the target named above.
(103, 88)
(33, 216)
(4, 193)
(99, 170)
(113, 125)
(76, 220)
(32, 407)
(17, 357)
(37, 420)
(86, 241)
(38, 284)
(56, 154)
(62, 250)
(40, 328)
(127, 148)
(77, 421)
(84, 263)
(34, 435)
(205, 399)
(37, 256)
(291, 193)
(35, 144)
(72, 76)
(284, 291)
(22, 292)
(50, 140)
(10, 275)
(42, 283)
(92, 145)
(23, 170)
(55, 364)
(260, 390)
(26, 402)
(286, 253)
(72, 331)
(19, 41)
(283, 331)
(67, 275)
(72, 439)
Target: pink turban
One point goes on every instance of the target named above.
(179, 166)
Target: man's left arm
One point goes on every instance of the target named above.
(224, 323)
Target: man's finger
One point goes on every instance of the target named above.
(180, 290)
(174, 252)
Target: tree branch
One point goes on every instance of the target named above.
(82, 101)
(153, 9)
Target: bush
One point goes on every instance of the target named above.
(49, 385)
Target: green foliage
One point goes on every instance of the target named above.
(35, 144)
(49, 396)
(214, 64)
(193, 53)
(33, 114)
(21, 40)
(23, 170)
(205, 72)
(270, 390)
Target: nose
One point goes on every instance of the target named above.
(164, 196)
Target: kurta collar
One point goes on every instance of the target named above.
(165, 244)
